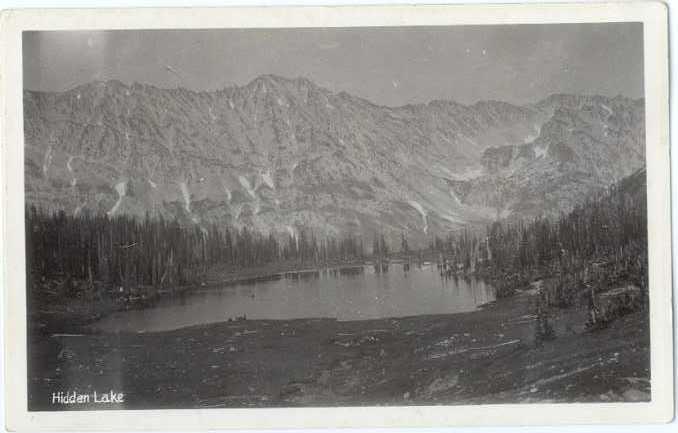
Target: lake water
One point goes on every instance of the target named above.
(345, 294)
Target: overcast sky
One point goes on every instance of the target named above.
(389, 66)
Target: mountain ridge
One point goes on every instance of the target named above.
(303, 79)
(282, 155)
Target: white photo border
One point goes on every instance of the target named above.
(653, 15)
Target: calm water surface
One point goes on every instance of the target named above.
(345, 294)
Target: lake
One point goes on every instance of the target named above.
(356, 293)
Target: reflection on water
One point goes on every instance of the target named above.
(346, 294)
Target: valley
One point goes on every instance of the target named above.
(528, 224)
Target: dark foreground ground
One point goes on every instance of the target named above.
(488, 356)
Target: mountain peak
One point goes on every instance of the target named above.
(267, 78)
(277, 80)
(283, 154)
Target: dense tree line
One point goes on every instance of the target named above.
(599, 242)
(380, 246)
(127, 251)
(602, 241)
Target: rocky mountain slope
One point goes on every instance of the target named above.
(587, 143)
(281, 155)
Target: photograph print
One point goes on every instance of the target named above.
(322, 217)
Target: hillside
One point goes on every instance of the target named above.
(281, 155)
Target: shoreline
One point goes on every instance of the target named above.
(484, 356)
(76, 315)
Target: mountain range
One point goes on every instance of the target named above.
(282, 155)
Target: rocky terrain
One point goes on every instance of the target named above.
(586, 144)
(487, 356)
(284, 155)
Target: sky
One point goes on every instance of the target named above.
(388, 66)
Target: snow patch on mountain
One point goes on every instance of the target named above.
(47, 161)
(424, 215)
(450, 218)
(78, 208)
(267, 179)
(237, 210)
(246, 184)
(74, 180)
(292, 232)
(534, 135)
(185, 193)
(467, 174)
(121, 189)
(455, 197)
